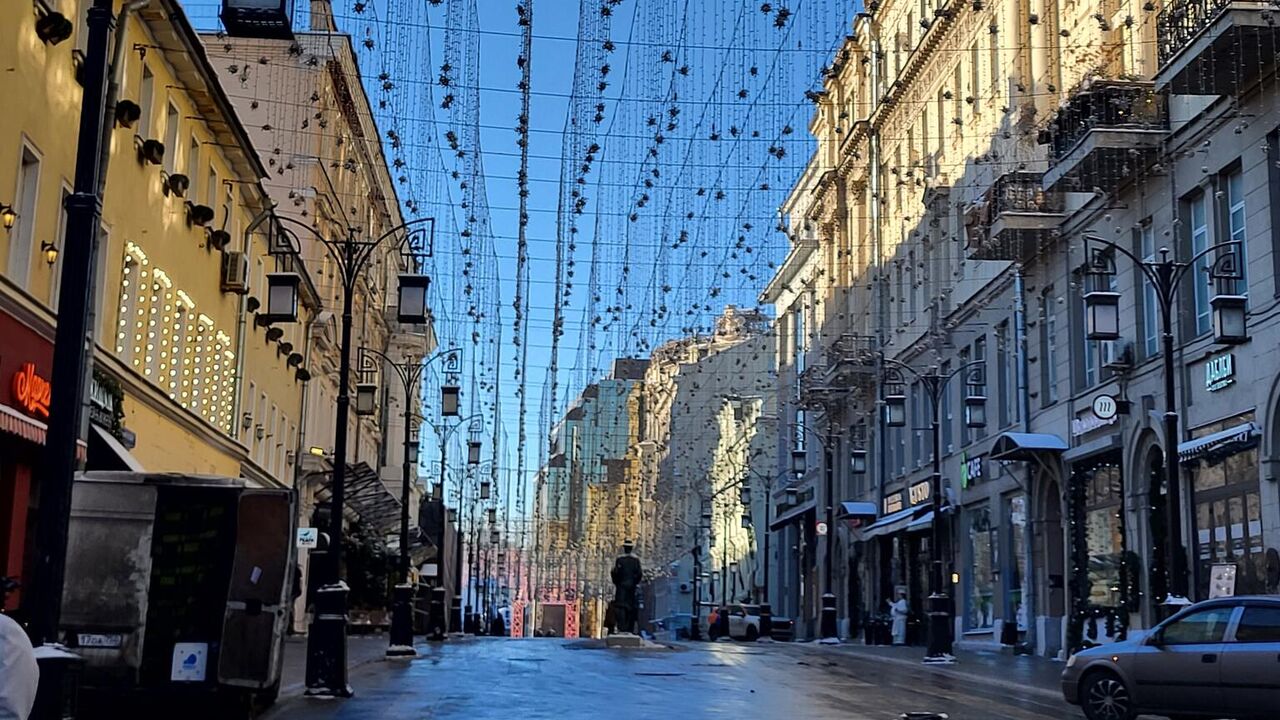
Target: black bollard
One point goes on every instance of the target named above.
(435, 615)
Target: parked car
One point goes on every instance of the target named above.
(784, 629)
(1216, 658)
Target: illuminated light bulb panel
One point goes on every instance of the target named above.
(161, 335)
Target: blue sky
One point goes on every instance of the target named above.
(702, 131)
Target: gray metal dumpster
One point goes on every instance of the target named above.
(178, 585)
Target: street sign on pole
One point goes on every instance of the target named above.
(308, 538)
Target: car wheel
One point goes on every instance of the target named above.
(752, 633)
(1106, 697)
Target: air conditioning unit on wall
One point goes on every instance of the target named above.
(235, 273)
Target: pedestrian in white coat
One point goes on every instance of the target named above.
(19, 673)
(899, 609)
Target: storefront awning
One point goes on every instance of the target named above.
(851, 509)
(30, 429)
(368, 497)
(107, 453)
(1224, 442)
(792, 514)
(923, 522)
(889, 524)
(1025, 446)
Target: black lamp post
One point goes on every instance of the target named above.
(410, 374)
(827, 626)
(327, 637)
(1102, 316)
(975, 414)
(449, 408)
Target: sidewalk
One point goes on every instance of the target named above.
(361, 649)
(1036, 675)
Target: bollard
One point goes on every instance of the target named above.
(435, 615)
(766, 621)
(59, 683)
(828, 632)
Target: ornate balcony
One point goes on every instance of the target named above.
(847, 367)
(1103, 136)
(1215, 47)
(1015, 220)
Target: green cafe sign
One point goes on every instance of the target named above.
(1219, 372)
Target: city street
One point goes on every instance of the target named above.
(551, 678)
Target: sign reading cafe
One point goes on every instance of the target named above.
(1219, 372)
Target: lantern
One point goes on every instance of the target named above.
(975, 411)
(258, 18)
(895, 410)
(746, 520)
(50, 252)
(799, 459)
(473, 452)
(744, 495)
(1102, 315)
(449, 400)
(437, 491)
(494, 537)
(484, 489)
(493, 515)
(1229, 319)
(8, 216)
(413, 299)
(453, 515)
(411, 453)
(282, 298)
(792, 495)
(366, 395)
(858, 460)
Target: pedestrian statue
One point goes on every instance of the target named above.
(626, 576)
(899, 610)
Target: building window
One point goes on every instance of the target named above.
(1150, 301)
(944, 413)
(1048, 349)
(170, 138)
(797, 342)
(1104, 534)
(980, 356)
(966, 432)
(146, 97)
(1228, 513)
(193, 164)
(916, 419)
(982, 568)
(1199, 214)
(1235, 226)
(23, 233)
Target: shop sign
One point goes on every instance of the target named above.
(1219, 372)
(31, 392)
(308, 537)
(892, 504)
(1105, 407)
(921, 492)
(820, 528)
(970, 470)
(1086, 424)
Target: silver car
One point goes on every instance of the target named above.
(1215, 659)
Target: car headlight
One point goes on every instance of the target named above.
(1071, 661)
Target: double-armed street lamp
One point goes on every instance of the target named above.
(827, 628)
(327, 637)
(444, 433)
(410, 375)
(935, 384)
(1229, 310)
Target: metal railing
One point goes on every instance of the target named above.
(1115, 104)
(1181, 21)
(1022, 192)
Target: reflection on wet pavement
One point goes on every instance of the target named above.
(483, 679)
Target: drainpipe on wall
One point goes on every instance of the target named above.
(1024, 401)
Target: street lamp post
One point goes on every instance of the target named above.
(827, 626)
(1229, 317)
(443, 434)
(327, 637)
(935, 384)
(410, 374)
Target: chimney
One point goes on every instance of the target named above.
(322, 16)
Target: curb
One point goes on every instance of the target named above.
(852, 652)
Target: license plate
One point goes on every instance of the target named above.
(98, 640)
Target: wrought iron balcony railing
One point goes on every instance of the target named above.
(1104, 104)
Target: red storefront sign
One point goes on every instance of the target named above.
(31, 392)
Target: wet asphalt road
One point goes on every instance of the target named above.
(490, 678)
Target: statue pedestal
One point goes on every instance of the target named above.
(623, 640)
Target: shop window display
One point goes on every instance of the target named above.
(1228, 516)
(982, 582)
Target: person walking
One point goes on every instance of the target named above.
(898, 610)
(19, 673)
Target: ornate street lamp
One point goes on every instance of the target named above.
(8, 216)
(449, 400)
(792, 495)
(744, 495)
(746, 520)
(493, 515)
(50, 252)
(1229, 325)
(473, 452)
(282, 298)
(485, 486)
(799, 461)
(366, 398)
(412, 309)
(858, 460)
(1102, 315)
(895, 409)
(975, 411)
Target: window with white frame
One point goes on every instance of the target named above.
(23, 233)
(1048, 348)
(1235, 227)
(1150, 300)
(1198, 208)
